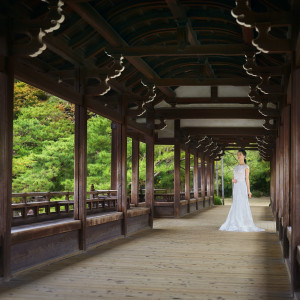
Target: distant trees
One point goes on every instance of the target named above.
(43, 150)
(259, 173)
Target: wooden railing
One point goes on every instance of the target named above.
(41, 206)
(168, 197)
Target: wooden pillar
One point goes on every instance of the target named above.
(295, 163)
(6, 148)
(177, 180)
(135, 172)
(149, 186)
(286, 176)
(208, 177)
(80, 171)
(281, 181)
(177, 169)
(196, 179)
(272, 181)
(277, 192)
(212, 182)
(203, 178)
(114, 155)
(122, 164)
(187, 178)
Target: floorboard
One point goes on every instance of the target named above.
(185, 258)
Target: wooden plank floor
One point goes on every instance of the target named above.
(186, 258)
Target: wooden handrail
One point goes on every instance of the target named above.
(49, 208)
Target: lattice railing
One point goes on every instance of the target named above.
(39, 206)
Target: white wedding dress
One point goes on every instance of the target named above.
(240, 216)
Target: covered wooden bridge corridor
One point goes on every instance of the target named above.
(204, 76)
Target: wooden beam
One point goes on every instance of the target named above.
(202, 82)
(43, 82)
(138, 127)
(179, 13)
(225, 100)
(94, 19)
(226, 131)
(164, 141)
(135, 172)
(208, 113)
(228, 148)
(61, 48)
(94, 105)
(6, 150)
(80, 171)
(193, 50)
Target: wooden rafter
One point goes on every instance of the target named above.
(225, 131)
(94, 19)
(192, 50)
(208, 113)
(238, 81)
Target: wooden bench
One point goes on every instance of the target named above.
(93, 220)
(138, 211)
(29, 232)
(184, 202)
(193, 200)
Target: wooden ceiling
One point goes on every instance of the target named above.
(234, 55)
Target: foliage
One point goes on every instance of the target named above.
(217, 200)
(26, 96)
(43, 150)
(259, 173)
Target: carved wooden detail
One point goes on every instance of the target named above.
(162, 125)
(103, 76)
(29, 32)
(263, 22)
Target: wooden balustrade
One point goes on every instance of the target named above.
(38, 206)
(169, 197)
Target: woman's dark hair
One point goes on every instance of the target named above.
(244, 153)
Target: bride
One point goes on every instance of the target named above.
(240, 217)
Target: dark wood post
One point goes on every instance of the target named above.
(80, 171)
(273, 182)
(135, 172)
(177, 180)
(212, 181)
(286, 176)
(187, 178)
(196, 179)
(203, 178)
(177, 169)
(114, 155)
(295, 163)
(6, 148)
(277, 193)
(122, 164)
(149, 186)
(208, 177)
(281, 180)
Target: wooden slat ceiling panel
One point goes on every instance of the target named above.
(160, 23)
